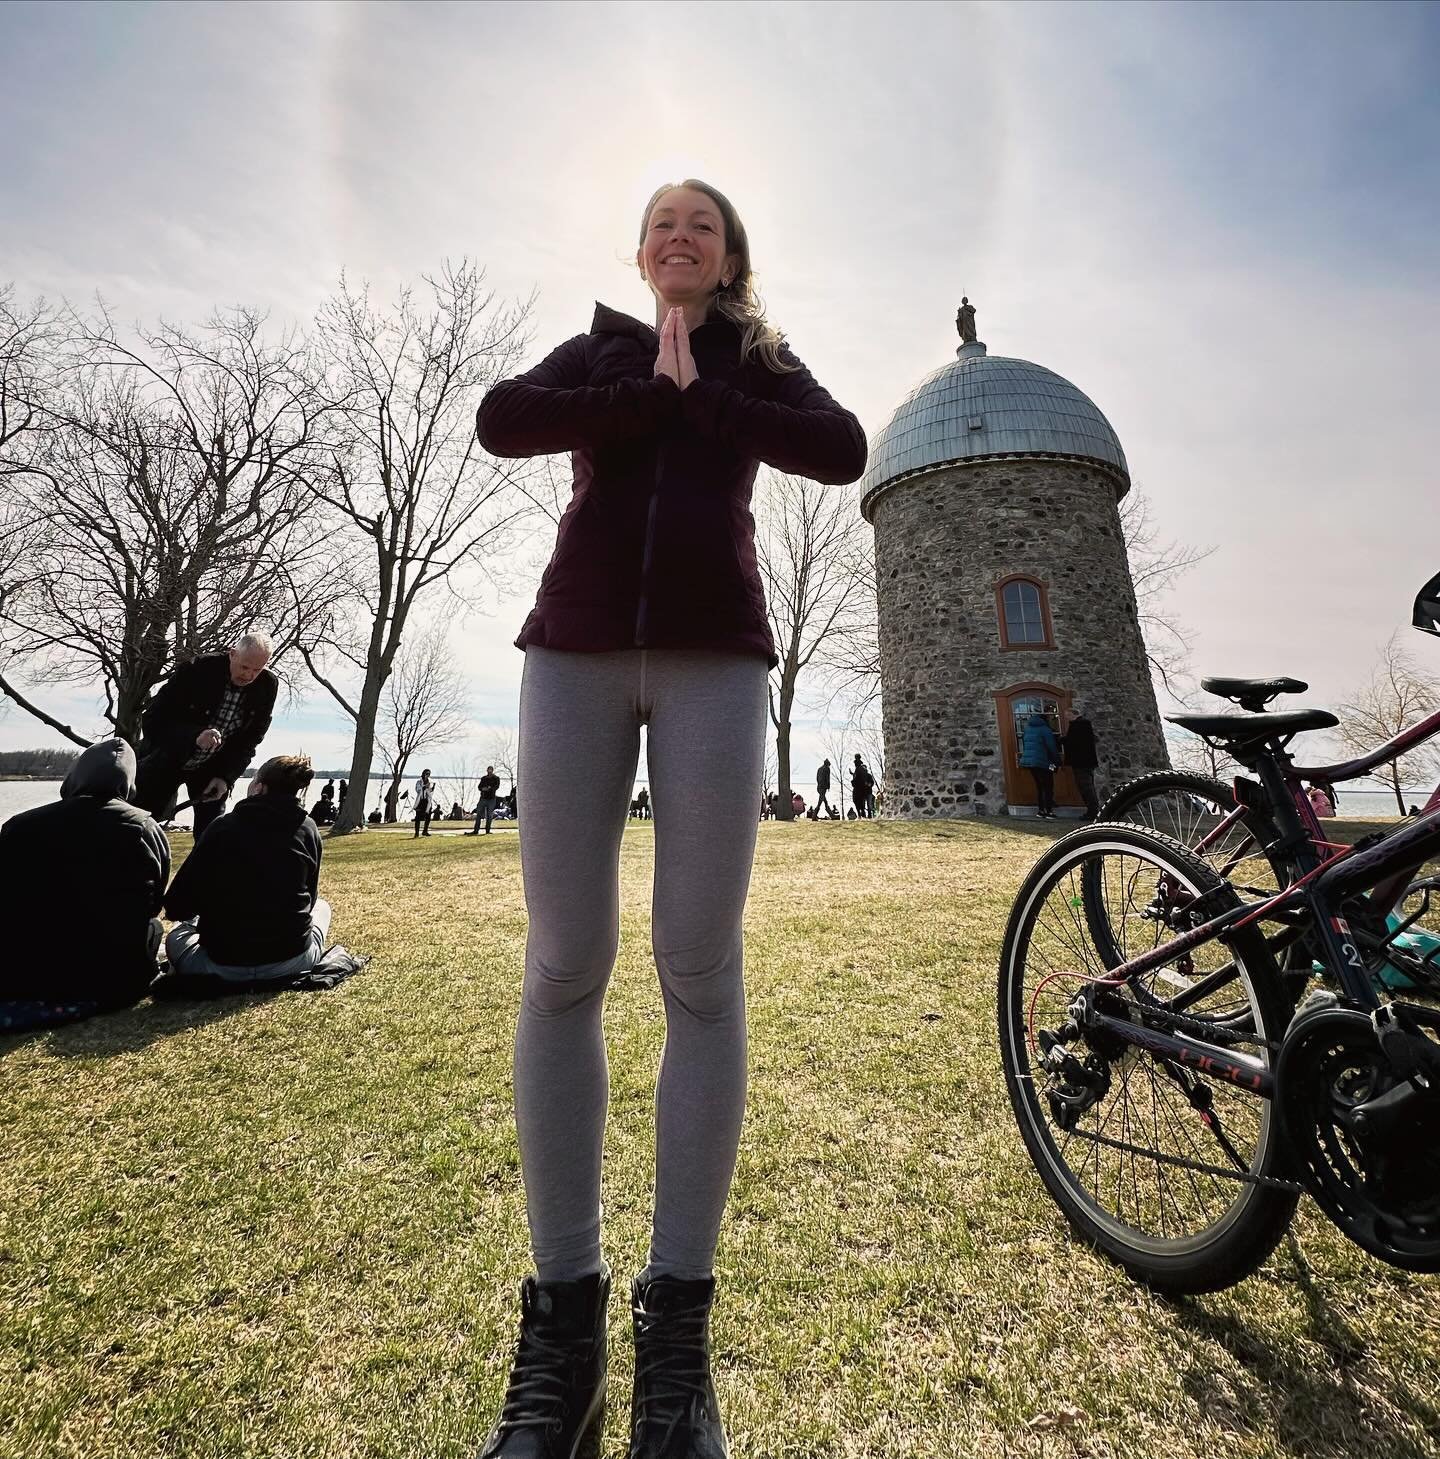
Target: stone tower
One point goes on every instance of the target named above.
(1003, 585)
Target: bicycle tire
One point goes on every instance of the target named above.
(1233, 1246)
(1125, 803)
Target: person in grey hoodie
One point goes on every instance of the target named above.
(81, 882)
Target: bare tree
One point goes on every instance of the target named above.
(27, 367)
(424, 703)
(850, 657)
(1155, 564)
(1394, 699)
(27, 362)
(805, 541)
(1190, 752)
(416, 498)
(162, 482)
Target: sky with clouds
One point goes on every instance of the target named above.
(1220, 221)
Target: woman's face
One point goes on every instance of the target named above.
(683, 256)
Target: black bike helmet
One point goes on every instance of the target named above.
(1427, 607)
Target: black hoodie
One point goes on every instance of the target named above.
(251, 880)
(80, 880)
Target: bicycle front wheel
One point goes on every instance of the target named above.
(1173, 1173)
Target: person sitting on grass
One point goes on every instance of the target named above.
(81, 884)
(247, 898)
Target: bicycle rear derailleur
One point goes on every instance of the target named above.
(1075, 1084)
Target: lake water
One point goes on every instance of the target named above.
(21, 795)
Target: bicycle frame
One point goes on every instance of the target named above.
(1356, 769)
(1295, 815)
(1320, 891)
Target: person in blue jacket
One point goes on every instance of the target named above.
(1040, 754)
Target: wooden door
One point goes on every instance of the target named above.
(1013, 708)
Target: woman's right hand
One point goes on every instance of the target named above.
(667, 362)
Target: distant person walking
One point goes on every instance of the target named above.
(202, 729)
(862, 789)
(666, 427)
(1321, 802)
(1040, 754)
(489, 794)
(822, 790)
(427, 803)
(1078, 743)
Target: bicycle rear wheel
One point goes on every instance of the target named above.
(1174, 1174)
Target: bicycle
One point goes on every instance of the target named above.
(1246, 831)
(1173, 1098)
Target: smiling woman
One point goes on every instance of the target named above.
(651, 612)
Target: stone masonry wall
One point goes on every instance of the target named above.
(943, 540)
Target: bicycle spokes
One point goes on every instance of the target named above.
(1157, 1146)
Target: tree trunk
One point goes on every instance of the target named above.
(129, 708)
(784, 789)
(1395, 786)
(392, 796)
(352, 818)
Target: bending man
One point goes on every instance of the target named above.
(203, 727)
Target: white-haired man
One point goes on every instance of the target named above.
(203, 727)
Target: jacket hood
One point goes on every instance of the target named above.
(106, 770)
(612, 321)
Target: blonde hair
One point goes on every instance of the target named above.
(738, 301)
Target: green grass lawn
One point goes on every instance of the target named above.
(293, 1226)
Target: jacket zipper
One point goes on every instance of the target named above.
(642, 609)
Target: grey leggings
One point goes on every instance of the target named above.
(580, 718)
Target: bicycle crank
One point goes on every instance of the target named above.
(1359, 1099)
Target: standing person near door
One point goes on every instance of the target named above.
(1078, 743)
(862, 788)
(1040, 755)
(651, 612)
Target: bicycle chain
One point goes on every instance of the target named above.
(1208, 1032)
(1270, 1182)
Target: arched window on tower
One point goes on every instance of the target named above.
(1023, 607)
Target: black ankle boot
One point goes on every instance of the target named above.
(555, 1403)
(674, 1413)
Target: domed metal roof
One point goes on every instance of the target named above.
(981, 407)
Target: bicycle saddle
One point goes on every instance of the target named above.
(1253, 694)
(1253, 730)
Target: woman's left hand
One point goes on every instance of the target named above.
(688, 372)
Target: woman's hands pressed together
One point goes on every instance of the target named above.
(675, 359)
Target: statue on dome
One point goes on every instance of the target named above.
(965, 321)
